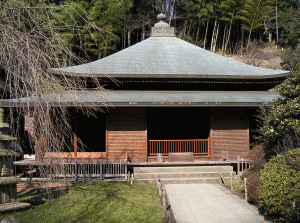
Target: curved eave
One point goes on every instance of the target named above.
(173, 76)
(142, 104)
(149, 98)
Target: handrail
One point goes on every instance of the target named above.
(196, 146)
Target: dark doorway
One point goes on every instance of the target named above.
(177, 123)
(90, 130)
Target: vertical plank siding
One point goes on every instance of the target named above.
(229, 132)
(126, 133)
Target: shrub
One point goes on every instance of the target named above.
(257, 157)
(279, 185)
(253, 187)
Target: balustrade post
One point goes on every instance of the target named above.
(242, 165)
(100, 169)
(231, 180)
(238, 165)
(246, 189)
(126, 170)
(164, 200)
(76, 176)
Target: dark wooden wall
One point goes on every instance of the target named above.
(126, 133)
(229, 132)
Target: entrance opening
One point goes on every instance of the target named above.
(178, 130)
(178, 123)
(90, 130)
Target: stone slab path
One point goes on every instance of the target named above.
(209, 203)
(13, 206)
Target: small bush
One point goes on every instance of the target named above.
(257, 157)
(279, 186)
(253, 187)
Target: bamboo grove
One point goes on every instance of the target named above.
(227, 26)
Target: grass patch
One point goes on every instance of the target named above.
(96, 202)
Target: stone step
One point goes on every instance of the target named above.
(180, 181)
(181, 175)
(182, 169)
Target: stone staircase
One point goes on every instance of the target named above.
(183, 174)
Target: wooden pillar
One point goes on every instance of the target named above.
(39, 149)
(75, 134)
(208, 145)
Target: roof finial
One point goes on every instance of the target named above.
(162, 28)
(161, 17)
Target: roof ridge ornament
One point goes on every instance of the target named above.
(162, 28)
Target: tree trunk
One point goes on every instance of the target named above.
(224, 37)
(205, 34)
(215, 36)
(143, 35)
(197, 35)
(124, 36)
(276, 22)
(228, 36)
(128, 38)
(249, 38)
(172, 13)
(242, 42)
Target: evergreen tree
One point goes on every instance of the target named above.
(69, 18)
(289, 24)
(198, 15)
(231, 11)
(107, 14)
(281, 120)
(253, 13)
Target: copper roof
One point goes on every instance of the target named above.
(169, 57)
(165, 56)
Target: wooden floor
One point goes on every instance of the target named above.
(200, 163)
(31, 162)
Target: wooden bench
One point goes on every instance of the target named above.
(181, 157)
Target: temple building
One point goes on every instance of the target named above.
(171, 97)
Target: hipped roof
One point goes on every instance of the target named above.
(169, 57)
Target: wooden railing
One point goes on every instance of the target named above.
(242, 165)
(196, 146)
(91, 169)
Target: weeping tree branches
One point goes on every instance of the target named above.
(31, 42)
